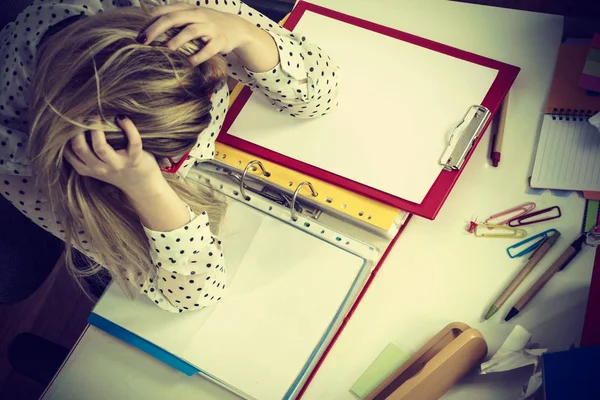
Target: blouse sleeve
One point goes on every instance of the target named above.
(190, 266)
(305, 82)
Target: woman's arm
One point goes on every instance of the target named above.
(304, 81)
(259, 52)
(134, 171)
(304, 84)
(188, 257)
(190, 269)
(190, 266)
(158, 206)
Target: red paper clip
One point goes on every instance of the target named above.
(541, 214)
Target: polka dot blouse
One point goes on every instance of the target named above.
(189, 261)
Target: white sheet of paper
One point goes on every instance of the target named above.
(288, 288)
(398, 104)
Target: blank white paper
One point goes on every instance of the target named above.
(568, 156)
(398, 104)
(286, 293)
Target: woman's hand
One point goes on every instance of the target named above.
(133, 170)
(221, 33)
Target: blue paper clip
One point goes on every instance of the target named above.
(537, 239)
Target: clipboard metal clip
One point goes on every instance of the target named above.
(463, 137)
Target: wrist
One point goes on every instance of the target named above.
(247, 34)
(258, 50)
(158, 206)
(151, 187)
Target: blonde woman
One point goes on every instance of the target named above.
(106, 105)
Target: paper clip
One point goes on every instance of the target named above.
(537, 242)
(496, 231)
(515, 212)
(526, 219)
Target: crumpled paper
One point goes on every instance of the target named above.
(514, 354)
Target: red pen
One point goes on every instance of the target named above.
(497, 141)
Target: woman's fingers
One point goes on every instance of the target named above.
(205, 53)
(165, 22)
(75, 162)
(134, 148)
(102, 149)
(84, 152)
(187, 34)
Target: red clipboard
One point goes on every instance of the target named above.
(442, 186)
(591, 323)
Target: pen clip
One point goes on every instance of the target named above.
(498, 231)
(541, 214)
(511, 213)
(537, 240)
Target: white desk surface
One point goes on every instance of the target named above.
(436, 273)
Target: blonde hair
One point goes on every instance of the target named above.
(96, 66)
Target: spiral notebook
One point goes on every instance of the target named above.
(568, 152)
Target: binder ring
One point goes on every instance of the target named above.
(313, 192)
(251, 163)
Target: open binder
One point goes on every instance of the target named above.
(304, 243)
(293, 284)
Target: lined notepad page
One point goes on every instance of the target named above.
(398, 103)
(568, 156)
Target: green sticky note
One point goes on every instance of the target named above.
(591, 215)
(390, 358)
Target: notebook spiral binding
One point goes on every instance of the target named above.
(568, 114)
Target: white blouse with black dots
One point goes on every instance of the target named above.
(190, 269)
